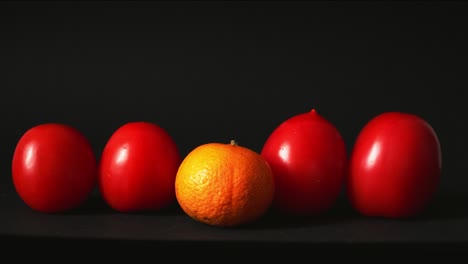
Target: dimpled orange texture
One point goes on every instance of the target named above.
(224, 185)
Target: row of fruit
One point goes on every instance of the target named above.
(392, 171)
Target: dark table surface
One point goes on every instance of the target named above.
(443, 226)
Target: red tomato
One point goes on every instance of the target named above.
(395, 166)
(53, 168)
(138, 168)
(308, 158)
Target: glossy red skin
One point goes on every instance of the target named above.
(394, 167)
(54, 168)
(138, 167)
(308, 158)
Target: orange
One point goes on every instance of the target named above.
(224, 185)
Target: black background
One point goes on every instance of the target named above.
(214, 71)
